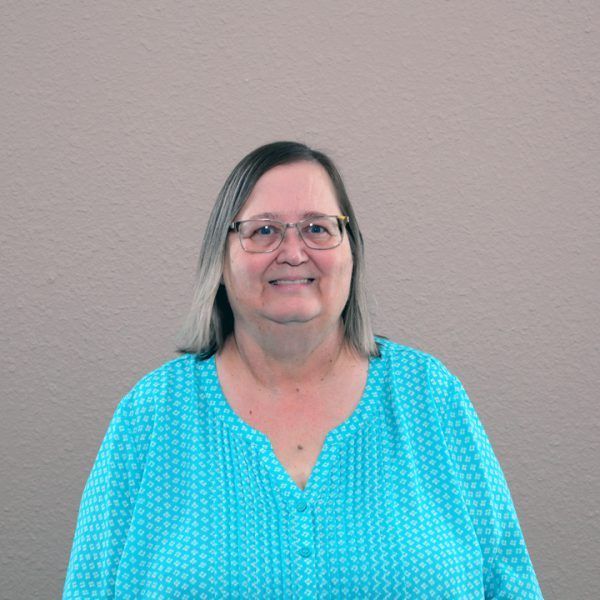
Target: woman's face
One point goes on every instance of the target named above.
(294, 284)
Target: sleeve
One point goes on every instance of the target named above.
(507, 570)
(105, 510)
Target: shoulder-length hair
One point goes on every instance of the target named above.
(210, 319)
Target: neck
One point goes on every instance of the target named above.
(290, 358)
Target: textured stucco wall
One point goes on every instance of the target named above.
(469, 136)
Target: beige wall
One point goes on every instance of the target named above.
(469, 136)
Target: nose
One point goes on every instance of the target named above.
(292, 249)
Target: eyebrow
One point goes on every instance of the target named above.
(277, 217)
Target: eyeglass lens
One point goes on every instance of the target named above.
(263, 235)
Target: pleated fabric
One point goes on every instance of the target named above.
(406, 500)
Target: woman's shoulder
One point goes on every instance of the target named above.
(170, 372)
(408, 360)
(420, 378)
(171, 381)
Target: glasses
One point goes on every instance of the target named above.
(266, 235)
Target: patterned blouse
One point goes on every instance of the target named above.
(406, 500)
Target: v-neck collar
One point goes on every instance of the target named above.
(260, 442)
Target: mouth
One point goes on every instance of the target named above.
(305, 281)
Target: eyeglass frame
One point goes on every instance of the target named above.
(343, 221)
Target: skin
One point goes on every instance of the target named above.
(289, 323)
(287, 370)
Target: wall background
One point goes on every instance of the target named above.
(469, 137)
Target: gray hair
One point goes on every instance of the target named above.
(210, 319)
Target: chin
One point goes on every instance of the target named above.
(291, 318)
(300, 313)
(292, 311)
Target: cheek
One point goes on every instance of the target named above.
(242, 276)
(346, 266)
(341, 276)
(347, 279)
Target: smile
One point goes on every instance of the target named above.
(291, 281)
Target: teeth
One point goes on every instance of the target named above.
(290, 281)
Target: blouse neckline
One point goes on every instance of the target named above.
(260, 442)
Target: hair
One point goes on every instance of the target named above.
(210, 319)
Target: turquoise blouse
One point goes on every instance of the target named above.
(406, 500)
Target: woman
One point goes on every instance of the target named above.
(289, 453)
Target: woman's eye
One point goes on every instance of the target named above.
(316, 229)
(265, 230)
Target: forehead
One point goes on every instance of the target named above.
(291, 191)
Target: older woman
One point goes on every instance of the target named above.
(289, 453)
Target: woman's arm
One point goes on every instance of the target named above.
(507, 569)
(106, 509)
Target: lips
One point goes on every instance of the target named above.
(291, 281)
